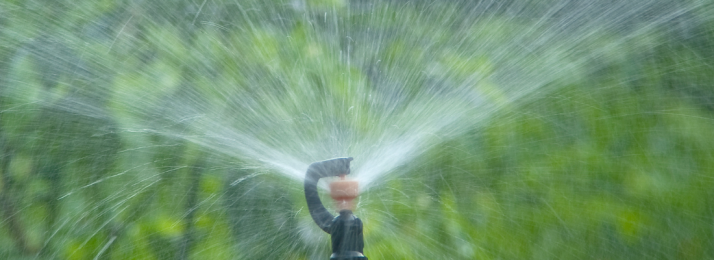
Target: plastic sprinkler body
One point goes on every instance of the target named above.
(345, 229)
(344, 191)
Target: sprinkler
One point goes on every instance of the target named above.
(345, 229)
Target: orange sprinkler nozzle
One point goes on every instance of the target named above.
(343, 191)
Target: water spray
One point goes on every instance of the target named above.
(345, 229)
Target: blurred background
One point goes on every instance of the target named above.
(511, 129)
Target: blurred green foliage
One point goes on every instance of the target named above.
(615, 161)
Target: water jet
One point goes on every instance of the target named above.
(153, 127)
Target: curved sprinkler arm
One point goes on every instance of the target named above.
(345, 229)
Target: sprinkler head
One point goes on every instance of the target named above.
(344, 191)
